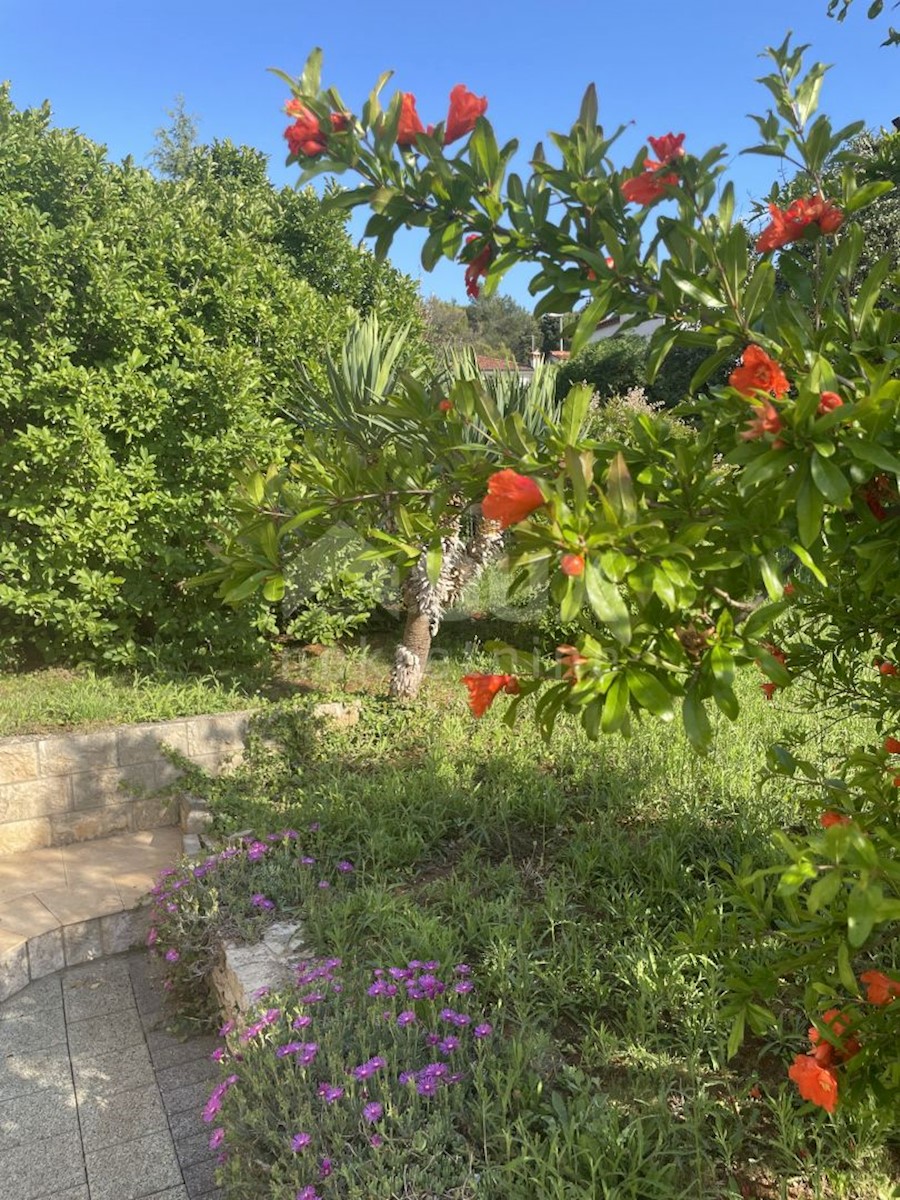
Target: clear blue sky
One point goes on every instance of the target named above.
(111, 69)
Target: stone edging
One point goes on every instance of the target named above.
(56, 789)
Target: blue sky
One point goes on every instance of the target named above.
(111, 70)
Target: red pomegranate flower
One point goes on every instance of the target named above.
(484, 689)
(651, 185)
(510, 498)
(768, 689)
(571, 564)
(887, 668)
(409, 126)
(880, 988)
(829, 818)
(766, 420)
(828, 402)
(839, 1024)
(758, 373)
(465, 109)
(892, 745)
(788, 225)
(305, 137)
(445, 406)
(478, 267)
(815, 1083)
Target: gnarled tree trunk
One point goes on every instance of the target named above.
(425, 603)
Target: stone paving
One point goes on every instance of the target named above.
(97, 1100)
(66, 905)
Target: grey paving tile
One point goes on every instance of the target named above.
(102, 1075)
(100, 1035)
(138, 1168)
(187, 1099)
(189, 1122)
(197, 1070)
(33, 1031)
(42, 1114)
(121, 1117)
(25, 1171)
(41, 996)
(21, 1074)
(200, 1178)
(75, 1193)
(96, 993)
(179, 1193)
(169, 1051)
(194, 1149)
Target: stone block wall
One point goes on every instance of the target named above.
(72, 787)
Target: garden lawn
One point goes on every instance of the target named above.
(589, 886)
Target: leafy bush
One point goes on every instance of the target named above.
(612, 366)
(150, 333)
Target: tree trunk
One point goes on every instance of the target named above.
(425, 602)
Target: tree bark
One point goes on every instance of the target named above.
(425, 602)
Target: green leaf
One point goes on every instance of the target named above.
(824, 890)
(273, 591)
(830, 480)
(615, 705)
(861, 914)
(433, 560)
(620, 489)
(650, 693)
(845, 971)
(696, 722)
(736, 1036)
(809, 512)
(606, 601)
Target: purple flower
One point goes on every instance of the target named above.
(373, 1112)
(329, 1092)
(306, 1053)
(398, 973)
(404, 1077)
(455, 1018)
(325, 1168)
(314, 826)
(407, 1017)
(152, 936)
(375, 1141)
(288, 1048)
(217, 1137)
(307, 861)
(258, 900)
(214, 1103)
(259, 993)
(345, 867)
(218, 1054)
(367, 1069)
(301, 1022)
(462, 969)
(464, 987)
(226, 1028)
(300, 1141)
(323, 883)
(172, 956)
(430, 985)
(426, 1086)
(311, 998)
(448, 1045)
(414, 965)
(483, 1031)
(432, 1039)
(430, 966)
(308, 1193)
(256, 850)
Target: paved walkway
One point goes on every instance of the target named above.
(97, 1100)
(71, 904)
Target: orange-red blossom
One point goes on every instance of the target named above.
(880, 988)
(510, 498)
(571, 564)
(409, 125)
(788, 225)
(814, 1073)
(465, 109)
(306, 138)
(758, 373)
(477, 267)
(829, 818)
(484, 689)
(651, 184)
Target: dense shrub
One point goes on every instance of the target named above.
(150, 333)
(615, 365)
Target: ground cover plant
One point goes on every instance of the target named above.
(590, 889)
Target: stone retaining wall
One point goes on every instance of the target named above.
(73, 787)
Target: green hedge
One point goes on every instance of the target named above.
(150, 334)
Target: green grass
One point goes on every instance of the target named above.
(56, 699)
(585, 885)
